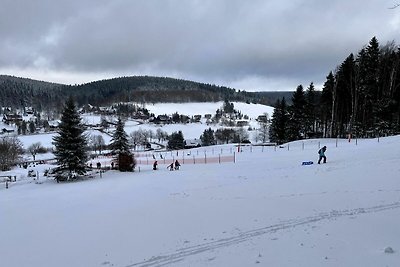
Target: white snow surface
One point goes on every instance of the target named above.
(264, 210)
(191, 109)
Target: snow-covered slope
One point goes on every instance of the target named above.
(191, 109)
(264, 210)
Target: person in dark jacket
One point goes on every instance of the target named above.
(321, 154)
(155, 165)
(177, 165)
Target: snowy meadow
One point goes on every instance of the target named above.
(264, 209)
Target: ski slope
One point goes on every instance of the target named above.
(264, 210)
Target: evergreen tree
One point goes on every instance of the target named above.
(176, 140)
(310, 110)
(345, 96)
(119, 141)
(297, 115)
(224, 135)
(207, 138)
(325, 106)
(32, 127)
(70, 143)
(22, 128)
(120, 148)
(263, 130)
(369, 82)
(277, 132)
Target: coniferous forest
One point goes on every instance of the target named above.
(360, 98)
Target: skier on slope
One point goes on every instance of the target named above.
(321, 154)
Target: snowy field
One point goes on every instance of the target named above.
(264, 210)
(190, 131)
(191, 109)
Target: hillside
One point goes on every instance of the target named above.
(19, 92)
(264, 210)
(22, 92)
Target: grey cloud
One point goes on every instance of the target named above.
(210, 40)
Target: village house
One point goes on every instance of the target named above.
(12, 118)
(192, 143)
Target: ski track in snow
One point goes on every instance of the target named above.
(181, 254)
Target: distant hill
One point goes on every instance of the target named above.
(19, 92)
(22, 92)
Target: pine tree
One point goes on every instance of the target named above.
(207, 138)
(310, 110)
(325, 106)
(176, 140)
(345, 96)
(32, 127)
(297, 115)
(119, 141)
(277, 130)
(369, 82)
(120, 148)
(70, 143)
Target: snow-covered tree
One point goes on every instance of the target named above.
(119, 141)
(70, 143)
(10, 152)
(34, 149)
(120, 148)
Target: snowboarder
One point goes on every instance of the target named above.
(321, 154)
(155, 165)
(177, 165)
(171, 166)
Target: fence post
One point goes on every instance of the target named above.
(234, 157)
(205, 158)
(337, 137)
(194, 160)
(319, 144)
(262, 148)
(302, 145)
(219, 158)
(287, 147)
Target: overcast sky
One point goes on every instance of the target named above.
(257, 45)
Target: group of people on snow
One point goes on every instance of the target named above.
(173, 166)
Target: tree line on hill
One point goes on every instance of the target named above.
(19, 93)
(360, 98)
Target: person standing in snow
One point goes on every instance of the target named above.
(321, 154)
(155, 165)
(177, 165)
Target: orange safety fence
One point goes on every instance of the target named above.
(188, 160)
